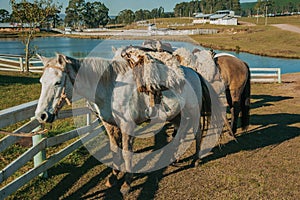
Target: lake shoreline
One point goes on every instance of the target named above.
(178, 38)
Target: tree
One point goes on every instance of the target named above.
(187, 9)
(4, 15)
(75, 13)
(125, 16)
(95, 14)
(31, 16)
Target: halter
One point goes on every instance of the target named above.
(63, 95)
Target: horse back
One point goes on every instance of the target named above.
(233, 70)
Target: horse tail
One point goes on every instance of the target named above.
(245, 102)
(206, 102)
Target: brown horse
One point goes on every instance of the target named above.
(236, 76)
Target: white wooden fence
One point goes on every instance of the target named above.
(26, 111)
(17, 63)
(265, 75)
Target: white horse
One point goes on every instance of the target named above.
(111, 86)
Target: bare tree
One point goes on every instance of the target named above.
(31, 16)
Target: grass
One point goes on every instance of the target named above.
(293, 20)
(17, 88)
(257, 167)
(264, 164)
(259, 39)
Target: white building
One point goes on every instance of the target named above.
(221, 17)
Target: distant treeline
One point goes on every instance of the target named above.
(276, 7)
(80, 13)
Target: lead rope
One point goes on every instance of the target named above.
(22, 134)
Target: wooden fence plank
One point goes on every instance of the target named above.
(9, 70)
(73, 112)
(265, 75)
(70, 135)
(17, 113)
(21, 160)
(9, 60)
(9, 140)
(7, 66)
(25, 178)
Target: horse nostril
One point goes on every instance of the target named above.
(44, 116)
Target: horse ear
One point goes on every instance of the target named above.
(196, 50)
(42, 58)
(62, 59)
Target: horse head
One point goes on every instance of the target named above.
(57, 84)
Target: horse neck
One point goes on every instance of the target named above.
(95, 77)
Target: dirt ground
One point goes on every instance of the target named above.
(264, 163)
(288, 27)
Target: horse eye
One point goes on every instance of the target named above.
(57, 83)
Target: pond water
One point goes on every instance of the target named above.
(47, 46)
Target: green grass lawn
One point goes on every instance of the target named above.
(17, 88)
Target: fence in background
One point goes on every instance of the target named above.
(17, 62)
(25, 111)
(265, 75)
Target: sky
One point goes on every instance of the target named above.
(115, 6)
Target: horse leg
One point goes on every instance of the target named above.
(114, 134)
(235, 109)
(127, 142)
(198, 137)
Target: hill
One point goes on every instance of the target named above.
(278, 6)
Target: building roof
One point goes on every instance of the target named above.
(222, 11)
(201, 15)
(218, 16)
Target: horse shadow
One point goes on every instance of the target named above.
(266, 100)
(271, 129)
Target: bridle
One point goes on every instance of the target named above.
(63, 95)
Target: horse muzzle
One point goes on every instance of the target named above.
(46, 117)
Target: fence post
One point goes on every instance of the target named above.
(41, 156)
(88, 116)
(279, 75)
(21, 64)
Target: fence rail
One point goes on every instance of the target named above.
(26, 111)
(17, 63)
(265, 75)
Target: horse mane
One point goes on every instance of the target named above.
(105, 69)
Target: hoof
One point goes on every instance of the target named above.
(111, 181)
(125, 189)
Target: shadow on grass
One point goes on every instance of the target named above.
(267, 100)
(21, 79)
(74, 173)
(272, 129)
